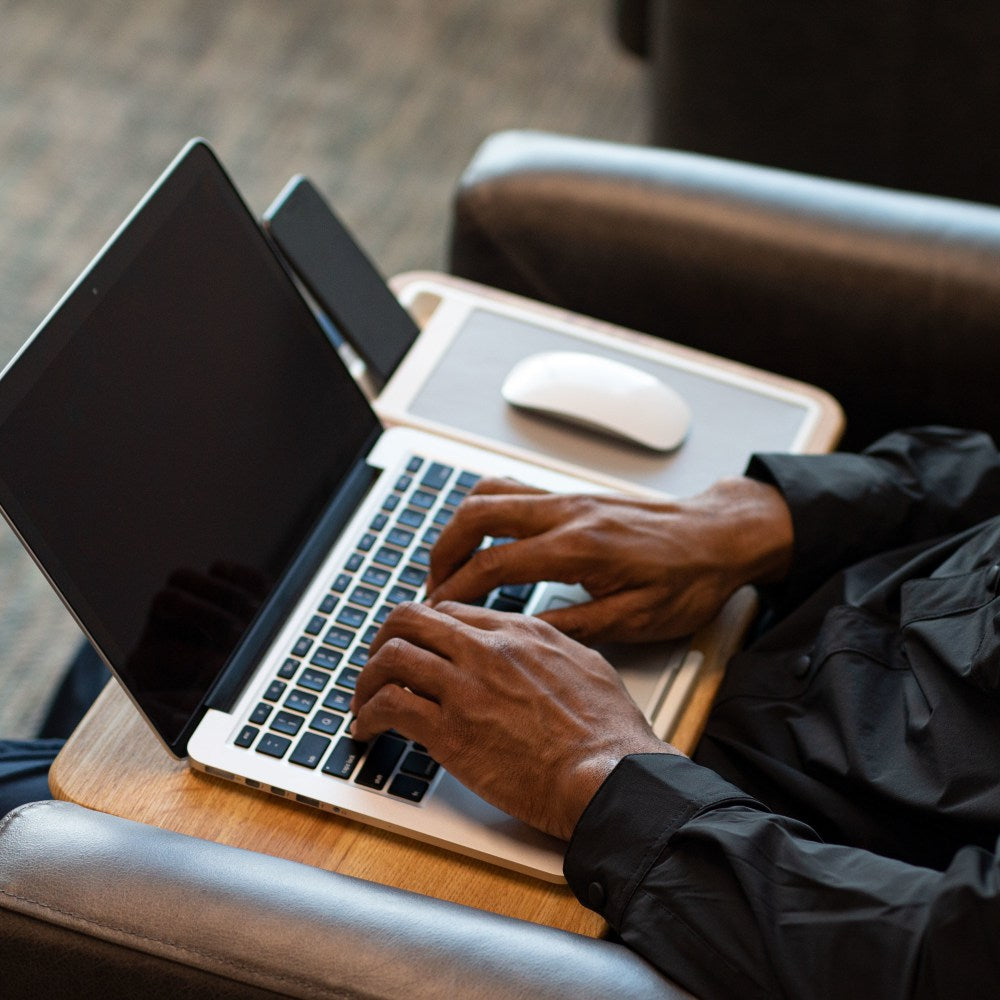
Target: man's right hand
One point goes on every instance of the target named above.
(654, 569)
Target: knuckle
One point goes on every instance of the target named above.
(488, 561)
(406, 613)
(394, 649)
(391, 699)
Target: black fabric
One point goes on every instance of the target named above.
(24, 764)
(24, 771)
(83, 682)
(836, 834)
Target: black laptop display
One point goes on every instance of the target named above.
(174, 431)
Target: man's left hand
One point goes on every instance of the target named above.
(526, 717)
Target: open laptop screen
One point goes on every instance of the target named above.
(171, 434)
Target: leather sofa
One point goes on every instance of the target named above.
(888, 300)
(900, 92)
(92, 906)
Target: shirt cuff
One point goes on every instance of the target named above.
(627, 825)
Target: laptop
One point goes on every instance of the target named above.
(189, 461)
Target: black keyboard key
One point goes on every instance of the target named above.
(403, 483)
(327, 605)
(431, 535)
(359, 657)
(364, 596)
(375, 576)
(368, 539)
(381, 760)
(379, 521)
(414, 464)
(315, 625)
(352, 617)
(400, 537)
(354, 561)
(369, 637)
(405, 786)
(517, 591)
(339, 637)
(326, 722)
(413, 576)
(399, 594)
(314, 680)
(288, 668)
(411, 518)
(436, 476)
(309, 750)
(341, 583)
(246, 736)
(388, 557)
(302, 647)
(259, 715)
(499, 603)
(383, 613)
(328, 659)
(442, 517)
(338, 700)
(285, 722)
(344, 759)
(422, 557)
(275, 690)
(454, 498)
(467, 480)
(348, 677)
(273, 745)
(301, 701)
(391, 502)
(422, 499)
(420, 765)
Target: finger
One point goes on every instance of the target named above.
(617, 617)
(526, 561)
(405, 664)
(499, 485)
(482, 514)
(476, 617)
(393, 707)
(420, 625)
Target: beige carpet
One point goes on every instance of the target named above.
(382, 102)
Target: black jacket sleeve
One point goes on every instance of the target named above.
(731, 900)
(907, 487)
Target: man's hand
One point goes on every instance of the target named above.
(655, 569)
(524, 716)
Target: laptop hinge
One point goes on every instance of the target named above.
(231, 681)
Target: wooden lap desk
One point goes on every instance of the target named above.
(114, 764)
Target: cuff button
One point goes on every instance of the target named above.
(595, 896)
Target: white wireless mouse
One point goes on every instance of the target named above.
(601, 394)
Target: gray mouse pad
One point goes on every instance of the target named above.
(730, 420)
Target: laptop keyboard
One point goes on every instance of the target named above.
(303, 714)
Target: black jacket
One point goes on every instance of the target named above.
(838, 835)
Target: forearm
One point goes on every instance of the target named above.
(733, 900)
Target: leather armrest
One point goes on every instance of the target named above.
(89, 884)
(888, 300)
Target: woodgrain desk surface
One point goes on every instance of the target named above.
(114, 764)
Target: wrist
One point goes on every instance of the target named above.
(758, 536)
(582, 782)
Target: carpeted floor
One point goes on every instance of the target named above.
(381, 102)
